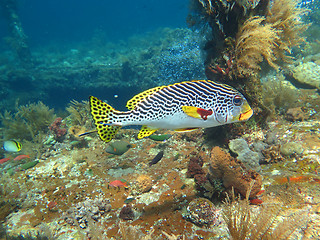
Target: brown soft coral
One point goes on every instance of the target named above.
(233, 173)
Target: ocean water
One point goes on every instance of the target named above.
(58, 180)
(75, 21)
(73, 32)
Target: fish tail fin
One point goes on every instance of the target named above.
(103, 116)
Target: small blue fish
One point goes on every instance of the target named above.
(12, 146)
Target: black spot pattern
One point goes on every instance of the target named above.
(168, 100)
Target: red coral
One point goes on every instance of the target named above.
(195, 167)
(195, 170)
(58, 129)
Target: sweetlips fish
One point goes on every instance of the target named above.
(184, 106)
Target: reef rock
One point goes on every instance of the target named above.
(88, 210)
(291, 148)
(295, 114)
(307, 74)
(144, 183)
(202, 212)
(249, 158)
(233, 173)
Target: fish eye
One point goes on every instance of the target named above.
(237, 100)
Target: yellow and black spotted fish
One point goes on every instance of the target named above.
(181, 106)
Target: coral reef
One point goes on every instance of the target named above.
(79, 114)
(245, 223)
(248, 157)
(27, 122)
(255, 42)
(295, 114)
(202, 212)
(243, 36)
(195, 170)
(86, 211)
(307, 74)
(58, 129)
(127, 213)
(233, 173)
(144, 183)
(278, 95)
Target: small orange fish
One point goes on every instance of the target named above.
(20, 157)
(118, 184)
(255, 201)
(260, 192)
(3, 160)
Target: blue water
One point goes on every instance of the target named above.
(78, 20)
(55, 28)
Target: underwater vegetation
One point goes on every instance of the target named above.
(79, 113)
(279, 96)
(244, 222)
(27, 122)
(246, 34)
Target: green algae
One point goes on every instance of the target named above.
(29, 165)
(161, 137)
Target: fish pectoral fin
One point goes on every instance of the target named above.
(185, 129)
(146, 131)
(196, 112)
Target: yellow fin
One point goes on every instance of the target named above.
(145, 131)
(101, 113)
(196, 112)
(132, 103)
(191, 111)
(185, 129)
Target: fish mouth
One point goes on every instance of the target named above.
(246, 113)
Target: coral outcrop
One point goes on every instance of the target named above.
(144, 183)
(233, 173)
(87, 211)
(248, 157)
(202, 212)
(58, 129)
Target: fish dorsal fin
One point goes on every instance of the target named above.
(146, 131)
(132, 103)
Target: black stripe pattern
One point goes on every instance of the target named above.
(169, 100)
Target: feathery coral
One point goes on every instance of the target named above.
(269, 38)
(245, 223)
(254, 43)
